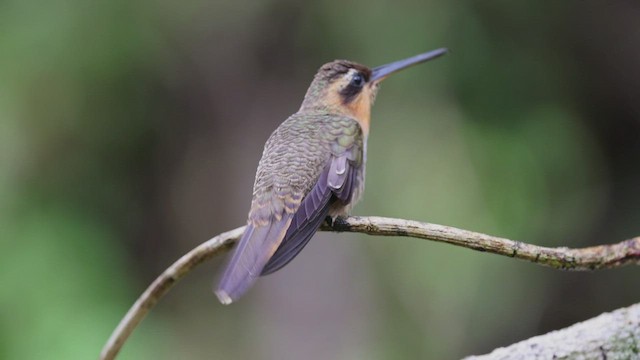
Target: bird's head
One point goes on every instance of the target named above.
(348, 88)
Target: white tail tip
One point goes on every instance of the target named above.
(224, 298)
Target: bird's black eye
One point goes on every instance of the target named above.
(357, 80)
(351, 91)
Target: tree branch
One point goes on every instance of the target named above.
(590, 258)
(614, 335)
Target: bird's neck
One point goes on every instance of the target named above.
(359, 110)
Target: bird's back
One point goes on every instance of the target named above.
(295, 155)
(311, 164)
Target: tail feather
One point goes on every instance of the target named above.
(255, 248)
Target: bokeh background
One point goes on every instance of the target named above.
(130, 132)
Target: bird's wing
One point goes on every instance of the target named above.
(268, 245)
(336, 183)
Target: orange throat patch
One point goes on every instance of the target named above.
(360, 109)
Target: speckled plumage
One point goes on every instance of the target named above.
(295, 155)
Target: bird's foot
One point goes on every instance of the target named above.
(336, 223)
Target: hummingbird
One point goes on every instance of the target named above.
(312, 167)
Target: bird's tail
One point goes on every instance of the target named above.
(255, 248)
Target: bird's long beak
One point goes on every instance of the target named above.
(381, 72)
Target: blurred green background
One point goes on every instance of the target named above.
(130, 132)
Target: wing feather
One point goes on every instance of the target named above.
(334, 184)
